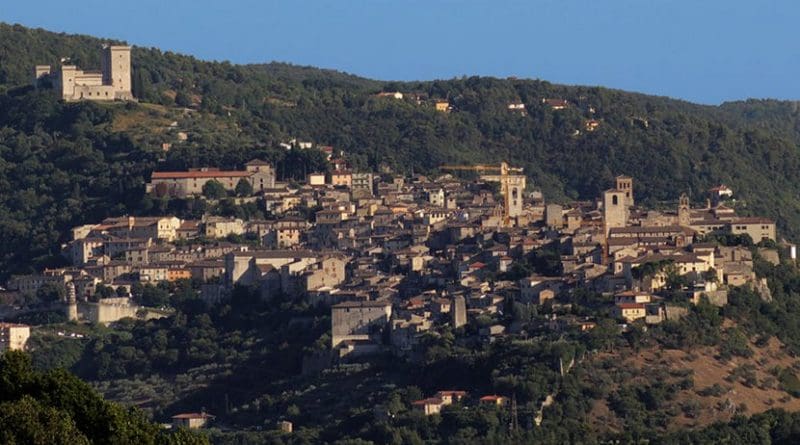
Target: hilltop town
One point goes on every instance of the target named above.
(395, 257)
(281, 254)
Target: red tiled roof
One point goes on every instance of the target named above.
(192, 416)
(200, 174)
(631, 305)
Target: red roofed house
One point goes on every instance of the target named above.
(260, 175)
(449, 397)
(191, 420)
(630, 311)
(494, 400)
(431, 405)
(556, 104)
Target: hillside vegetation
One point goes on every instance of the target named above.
(668, 146)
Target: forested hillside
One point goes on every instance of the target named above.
(55, 407)
(65, 164)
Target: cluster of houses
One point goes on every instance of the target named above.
(514, 106)
(434, 404)
(396, 256)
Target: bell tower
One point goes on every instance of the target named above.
(684, 211)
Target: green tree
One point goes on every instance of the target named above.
(244, 188)
(26, 421)
(51, 292)
(182, 99)
(213, 189)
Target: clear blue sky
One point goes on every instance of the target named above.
(705, 51)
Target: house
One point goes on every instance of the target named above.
(341, 178)
(220, 227)
(434, 405)
(191, 420)
(556, 104)
(442, 106)
(316, 179)
(287, 233)
(391, 95)
(450, 397)
(493, 400)
(592, 125)
(629, 311)
(14, 336)
(429, 406)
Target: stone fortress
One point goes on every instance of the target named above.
(112, 82)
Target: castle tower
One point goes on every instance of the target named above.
(684, 211)
(459, 311)
(615, 210)
(72, 303)
(116, 68)
(625, 184)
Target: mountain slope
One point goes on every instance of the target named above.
(668, 146)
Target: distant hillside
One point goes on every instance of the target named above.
(668, 146)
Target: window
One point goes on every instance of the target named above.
(614, 200)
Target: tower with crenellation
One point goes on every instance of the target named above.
(112, 82)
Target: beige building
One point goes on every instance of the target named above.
(112, 82)
(317, 179)
(247, 268)
(140, 227)
(362, 185)
(328, 272)
(615, 210)
(260, 175)
(220, 227)
(13, 336)
(341, 178)
(191, 420)
(629, 311)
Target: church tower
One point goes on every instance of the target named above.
(684, 211)
(625, 184)
(615, 210)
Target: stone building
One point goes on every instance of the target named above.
(359, 321)
(362, 185)
(13, 336)
(112, 82)
(260, 175)
(615, 210)
(459, 311)
(191, 420)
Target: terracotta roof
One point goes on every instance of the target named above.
(428, 401)
(192, 416)
(200, 174)
(630, 305)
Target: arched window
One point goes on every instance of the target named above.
(614, 200)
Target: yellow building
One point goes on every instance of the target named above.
(191, 420)
(630, 311)
(494, 400)
(443, 106)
